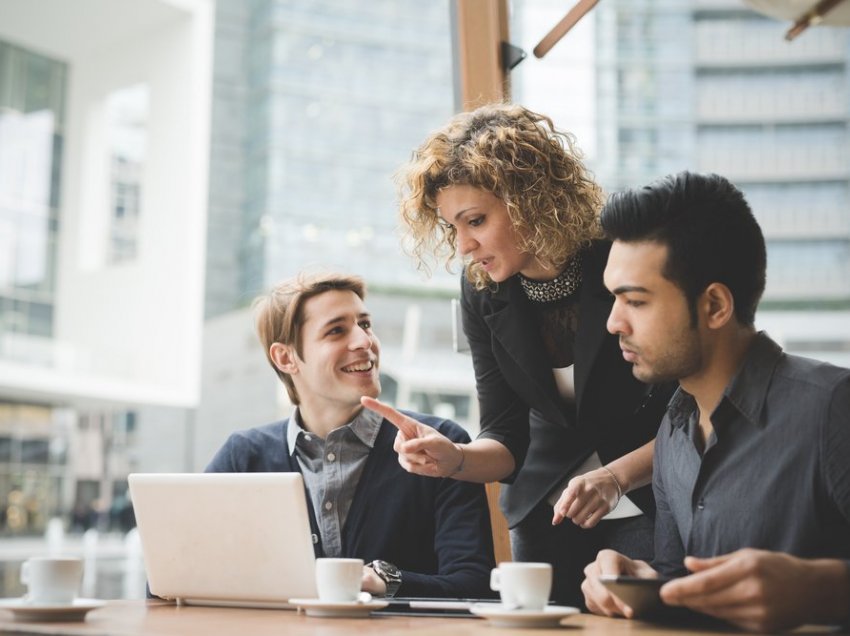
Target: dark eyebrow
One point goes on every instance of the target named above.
(464, 211)
(340, 319)
(625, 289)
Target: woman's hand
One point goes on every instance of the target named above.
(421, 449)
(587, 498)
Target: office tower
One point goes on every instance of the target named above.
(711, 86)
(315, 105)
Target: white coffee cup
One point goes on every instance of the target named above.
(522, 585)
(339, 580)
(52, 580)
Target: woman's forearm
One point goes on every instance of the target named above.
(634, 469)
(484, 460)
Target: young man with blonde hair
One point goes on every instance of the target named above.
(420, 536)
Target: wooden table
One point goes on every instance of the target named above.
(154, 618)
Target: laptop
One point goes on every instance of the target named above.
(232, 539)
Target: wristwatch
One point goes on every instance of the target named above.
(389, 574)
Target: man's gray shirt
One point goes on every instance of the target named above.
(775, 473)
(331, 468)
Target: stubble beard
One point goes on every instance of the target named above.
(680, 359)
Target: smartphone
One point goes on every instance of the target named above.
(638, 593)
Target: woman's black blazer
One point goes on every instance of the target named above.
(519, 402)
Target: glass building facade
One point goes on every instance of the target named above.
(33, 438)
(55, 460)
(32, 109)
(315, 107)
(711, 86)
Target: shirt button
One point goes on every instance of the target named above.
(331, 457)
(315, 538)
(308, 438)
(701, 504)
(328, 505)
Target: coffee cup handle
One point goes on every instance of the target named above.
(495, 580)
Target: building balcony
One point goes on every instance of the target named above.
(744, 44)
(815, 230)
(824, 335)
(775, 165)
(815, 289)
(725, 108)
(739, 59)
(722, 6)
(741, 174)
(55, 371)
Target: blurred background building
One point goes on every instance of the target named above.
(711, 86)
(715, 87)
(104, 138)
(315, 106)
(163, 161)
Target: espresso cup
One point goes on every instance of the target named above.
(52, 580)
(339, 580)
(522, 585)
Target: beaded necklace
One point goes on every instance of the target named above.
(560, 287)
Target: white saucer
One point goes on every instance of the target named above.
(327, 609)
(500, 616)
(24, 610)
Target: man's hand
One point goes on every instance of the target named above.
(762, 591)
(421, 449)
(373, 583)
(596, 596)
(587, 498)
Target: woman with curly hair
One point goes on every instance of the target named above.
(564, 423)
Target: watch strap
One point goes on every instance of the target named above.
(389, 574)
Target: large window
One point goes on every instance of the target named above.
(127, 140)
(315, 106)
(32, 94)
(33, 456)
(712, 89)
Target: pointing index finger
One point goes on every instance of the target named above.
(405, 424)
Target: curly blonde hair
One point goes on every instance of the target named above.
(521, 158)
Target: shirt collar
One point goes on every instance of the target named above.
(294, 430)
(679, 408)
(748, 389)
(365, 426)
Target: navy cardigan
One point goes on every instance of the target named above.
(437, 531)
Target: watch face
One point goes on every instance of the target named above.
(389, 574)
(388, 568)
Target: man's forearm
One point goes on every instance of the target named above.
(467, 583)
(827, 583)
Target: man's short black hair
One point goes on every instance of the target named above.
(709, 230)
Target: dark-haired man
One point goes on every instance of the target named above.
(420, 536)
(751, 474)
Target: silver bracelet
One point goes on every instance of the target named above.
(616, 483)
